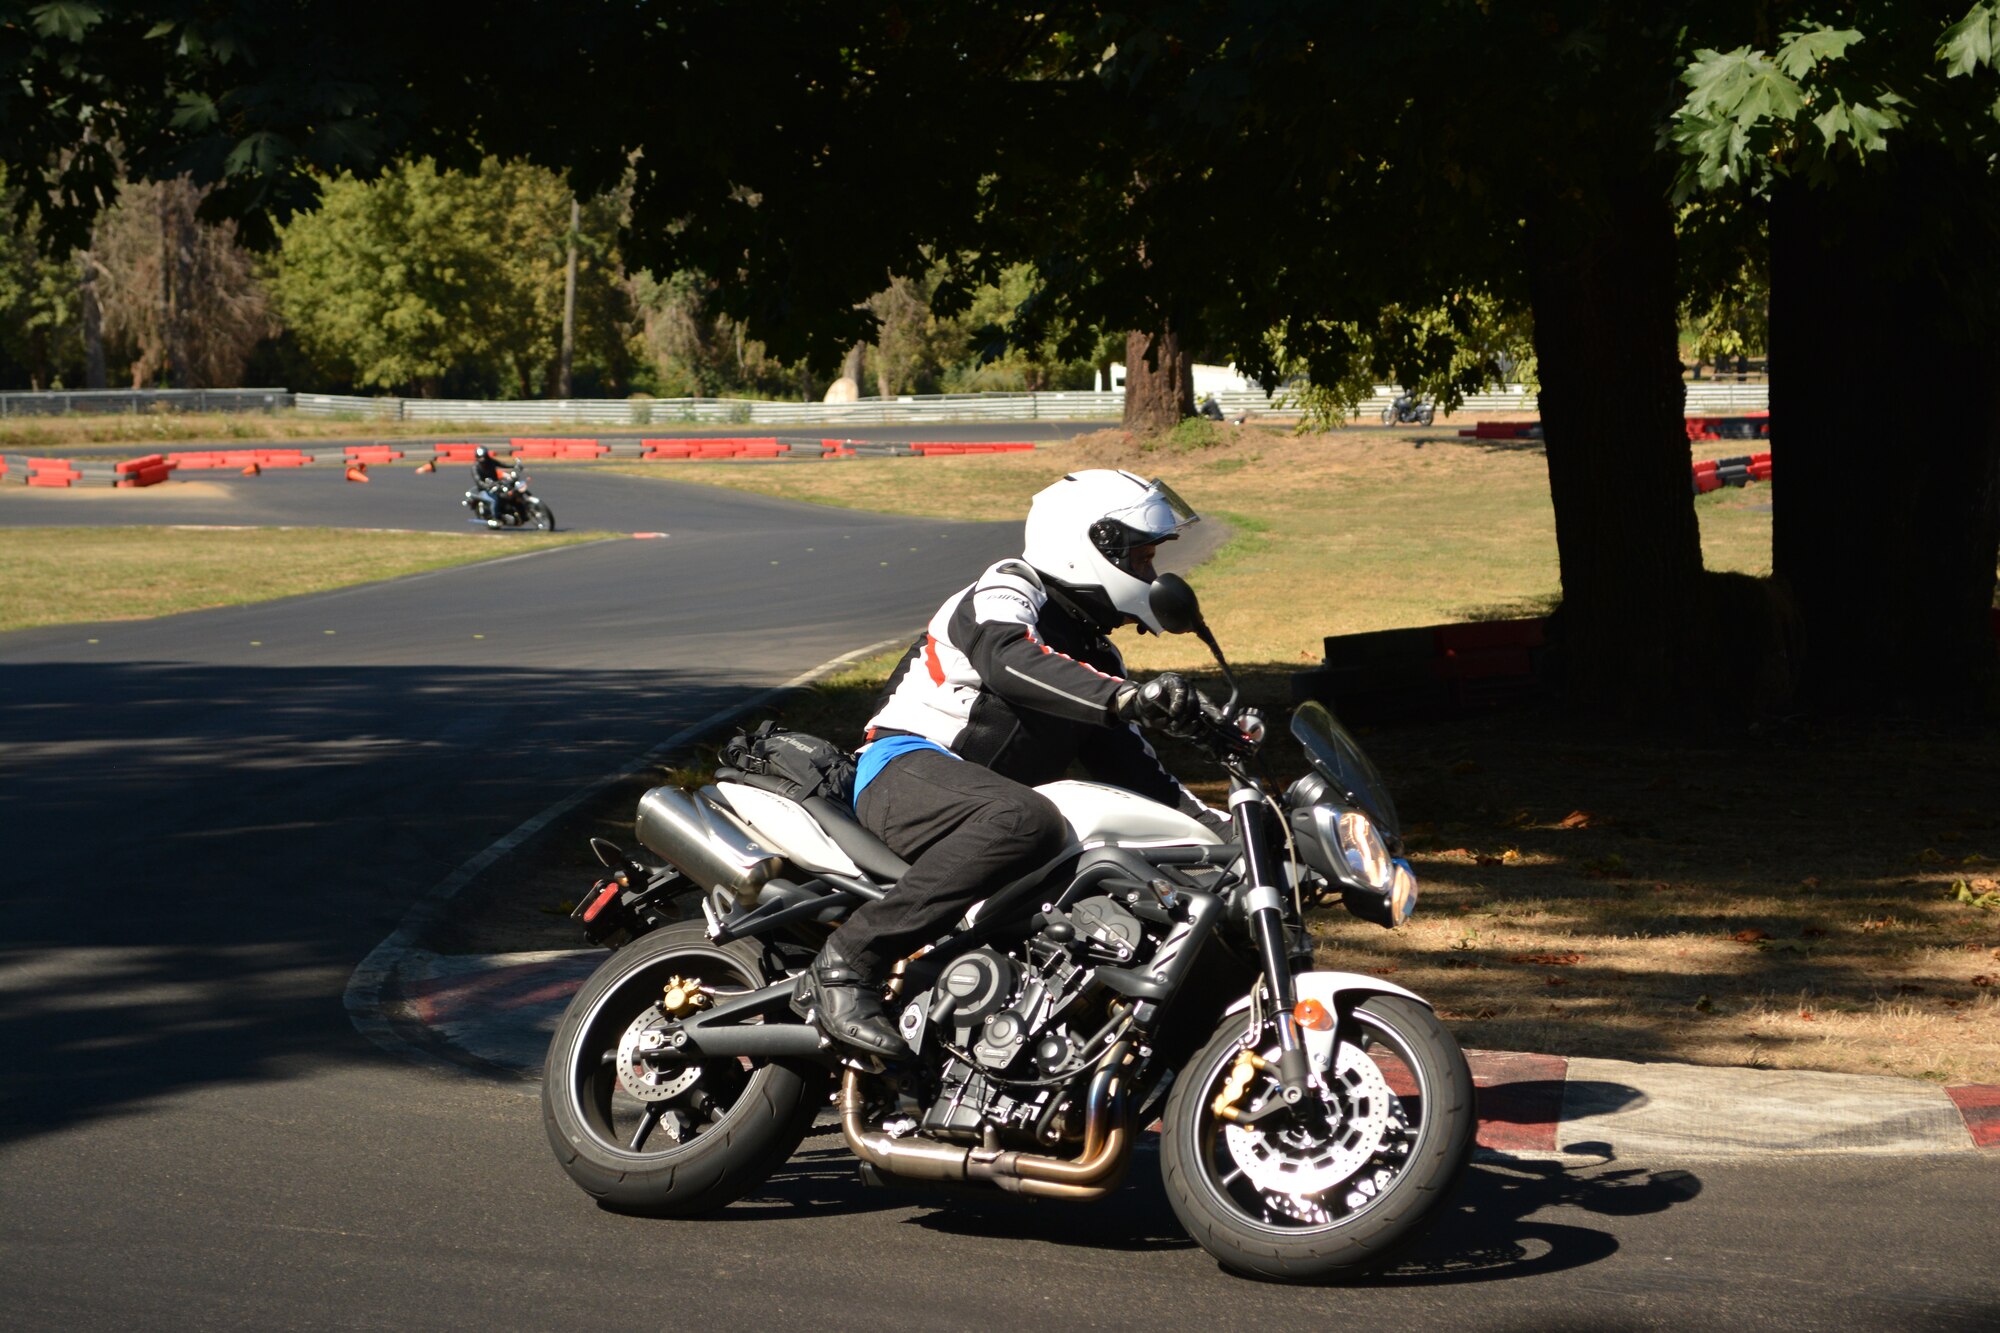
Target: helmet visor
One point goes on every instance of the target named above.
(1156, 516)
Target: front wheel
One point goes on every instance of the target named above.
(1425, 416)
(545, 518)
(645, 1132)
(1388, 416)
(1336, 1186)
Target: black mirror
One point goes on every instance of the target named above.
(1174, 604)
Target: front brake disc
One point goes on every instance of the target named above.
(1312, 1150)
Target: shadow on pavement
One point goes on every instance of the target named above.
(199, 855)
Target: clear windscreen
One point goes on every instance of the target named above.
(1338, 758)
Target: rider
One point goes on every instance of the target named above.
(486, 475)
(1013, 681)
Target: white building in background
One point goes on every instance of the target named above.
(1207, 379)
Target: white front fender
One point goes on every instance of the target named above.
(1326, 987)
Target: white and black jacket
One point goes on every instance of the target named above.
(1009, 678)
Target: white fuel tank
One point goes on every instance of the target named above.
(1097, 813)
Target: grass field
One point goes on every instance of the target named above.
(59, 576)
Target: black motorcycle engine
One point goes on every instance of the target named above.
(1008, 1024)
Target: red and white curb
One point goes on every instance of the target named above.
(500, 1010)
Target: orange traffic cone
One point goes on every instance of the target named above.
(357, 472)
(253, 471)
(431, 466)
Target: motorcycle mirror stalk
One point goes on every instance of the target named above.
(1179, 612)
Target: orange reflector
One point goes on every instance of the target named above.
(1312, 1015)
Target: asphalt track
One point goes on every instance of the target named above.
(210, 819)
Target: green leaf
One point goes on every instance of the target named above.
(1833, 122)
(1972, 41)
(1803, 50)
(262, 154)
(160, 29)
(194, 112)
(66, 18)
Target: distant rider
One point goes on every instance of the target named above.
(486, 470)
(1014, 680)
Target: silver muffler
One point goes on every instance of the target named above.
(696, 834)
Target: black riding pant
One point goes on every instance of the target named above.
(965, 830)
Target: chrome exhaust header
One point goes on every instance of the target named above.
(1091, 1175)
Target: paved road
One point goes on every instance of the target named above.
(210, 819)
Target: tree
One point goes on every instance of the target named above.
(180, 299)
(39, 303)
(1867, 137)
(428, 279)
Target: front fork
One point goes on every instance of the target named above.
(1266, 902)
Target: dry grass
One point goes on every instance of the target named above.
(63, 576)
(1335, 532)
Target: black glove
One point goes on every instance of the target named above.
(1166, 702)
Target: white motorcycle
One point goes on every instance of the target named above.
(1312, 1123)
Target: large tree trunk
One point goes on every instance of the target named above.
(1602, 280)
(1159, 381)
(1890, 528)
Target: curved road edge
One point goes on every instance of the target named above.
(377, 975)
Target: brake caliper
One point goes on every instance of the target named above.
(683, 997)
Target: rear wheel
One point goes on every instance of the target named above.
(1336, 1186)
(644, 1131)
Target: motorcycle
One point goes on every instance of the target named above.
(1312, 1123)
(1406, 410)
(517, 506)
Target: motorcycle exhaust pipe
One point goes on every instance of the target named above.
(1092, 1175)
(696, 834)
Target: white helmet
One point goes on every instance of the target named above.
(1082, 530)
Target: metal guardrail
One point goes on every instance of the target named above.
(59, 402)
(913, 410)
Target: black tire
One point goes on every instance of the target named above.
(765, 1109)
(1388, 416)
(1425, 416)
(1237, 1223)
(545, 518)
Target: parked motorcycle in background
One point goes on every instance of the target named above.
(1312, 1123)
(1406, 410)
(517, 506)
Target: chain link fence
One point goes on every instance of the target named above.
(100, 401)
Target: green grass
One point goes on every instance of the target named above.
(60, 576)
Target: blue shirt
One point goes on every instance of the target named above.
(877, 753)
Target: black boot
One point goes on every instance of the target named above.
(843, 1002)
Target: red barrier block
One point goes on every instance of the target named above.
(1704, 482)
(54, 479)
(134, 464)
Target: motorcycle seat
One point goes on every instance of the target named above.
(862, 847)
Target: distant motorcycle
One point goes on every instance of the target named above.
(1408, 411)
(518, 507)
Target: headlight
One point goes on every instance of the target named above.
(1366, 856)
